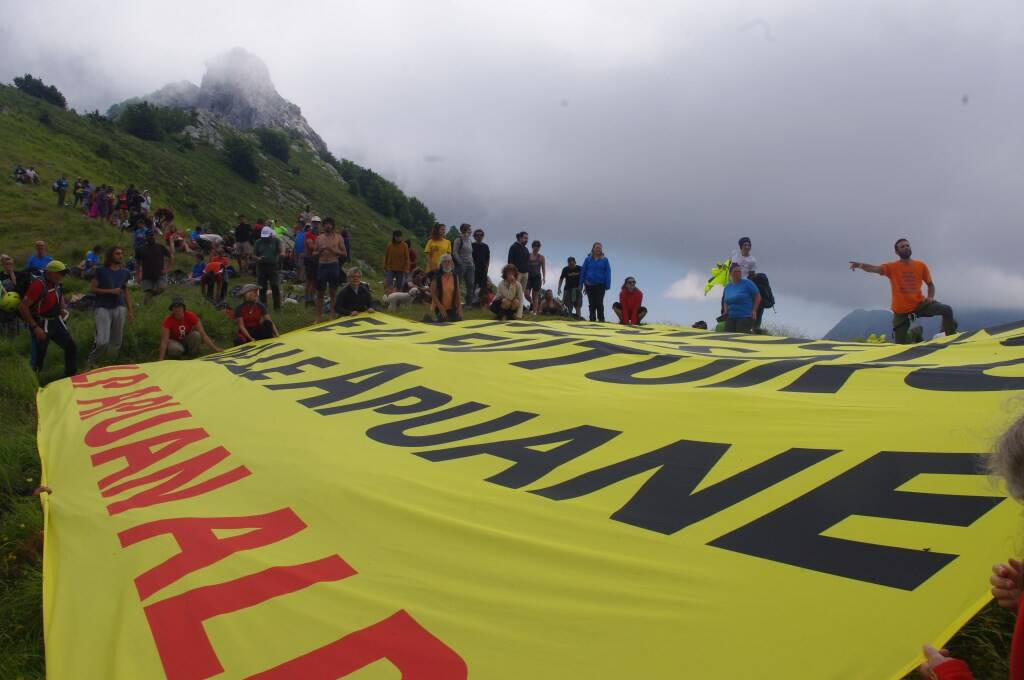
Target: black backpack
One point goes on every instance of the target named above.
(765, 288)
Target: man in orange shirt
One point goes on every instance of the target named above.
(905, 277)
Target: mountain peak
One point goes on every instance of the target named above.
(238, 88)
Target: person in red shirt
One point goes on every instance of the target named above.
(181, 332)
(629, 308)
(905, 278)
(44, 311)
(1007, 580)
(215, 277)
(254, 323)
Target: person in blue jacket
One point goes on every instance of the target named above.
(596, 275)
(741, 301)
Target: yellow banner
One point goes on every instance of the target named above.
(390, 499)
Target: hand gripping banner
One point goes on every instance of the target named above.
(387, 499)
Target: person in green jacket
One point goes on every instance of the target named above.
(268, 251)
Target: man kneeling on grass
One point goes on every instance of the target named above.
(181, 333)
(254, 323)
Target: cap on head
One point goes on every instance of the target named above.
(56, 266)
(177, 302)
(316, 218)
(248, 288)
(266, 232)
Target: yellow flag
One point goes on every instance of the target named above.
(380, 498)
(719, 276)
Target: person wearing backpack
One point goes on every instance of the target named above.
(61, 187)
(11, 288)
(43, 309)
(268, 251)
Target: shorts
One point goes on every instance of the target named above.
(310, 266)
(533, 282)
(154, 285)
(328, 275)
(243, 248)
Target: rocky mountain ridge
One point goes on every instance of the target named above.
(236, 88)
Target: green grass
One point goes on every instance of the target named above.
(200, 188)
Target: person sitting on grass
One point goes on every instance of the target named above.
(550, 305)
(508, 299)
(197, 269)
(629, 308)
(1007, 579)
(91, 261)
(181, 333)
(446, 303)
(354, 297)
(254, 323)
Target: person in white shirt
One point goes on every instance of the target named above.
(746, 261)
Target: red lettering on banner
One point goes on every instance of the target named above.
(114, 383)
(141, 454)
(177, 622)
(121, 402)
(200, 546)
(80, 378)
(100, 434)
(416, 653)
(178, 474)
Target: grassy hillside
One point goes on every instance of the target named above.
(200, 188)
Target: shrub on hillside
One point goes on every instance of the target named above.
(35, 87)
(146, 121)
(239, 155)
(274, 142)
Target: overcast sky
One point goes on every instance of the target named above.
(822, 130)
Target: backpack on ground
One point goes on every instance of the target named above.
(765, 288)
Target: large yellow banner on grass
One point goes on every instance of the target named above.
(380, 498)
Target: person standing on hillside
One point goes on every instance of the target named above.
(36, 263)
(740, 301)
(113, 304)
(309, 261)
(573, 297)
(43, 310)
(481, 263)
(396, 262)
(298, 247)
(61, 187)
(905, 278)
(465, 267)
(746, 261)
(330, 248)
(596, 275)
(436, 246)
(243, 244)
(268, 251)
(519, 256)
(536, 279)
(152, 260)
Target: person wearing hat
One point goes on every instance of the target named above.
(254, 323)
(44, 310)
(181, 332)
(268, 251)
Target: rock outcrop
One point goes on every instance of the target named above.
(237, 87)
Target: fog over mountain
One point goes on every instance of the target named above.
(824, 131)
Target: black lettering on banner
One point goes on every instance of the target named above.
(593, 349)
(426, 399)
(394, 434)
(341, 387)
(245, 351)
(381, 333)
(912, 353)
(288, 369)
(826, 378)
(510, 345)
(970, 378)
(1015, 341)
(767, 371)
(1004, 327)
(792, 534)
(530, 464)
(666, 502)
(627, 375)
(347, 322)
(241, 369)
(468, 339)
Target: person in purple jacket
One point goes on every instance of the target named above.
(596, 275)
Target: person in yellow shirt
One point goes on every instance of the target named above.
(436, 246)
